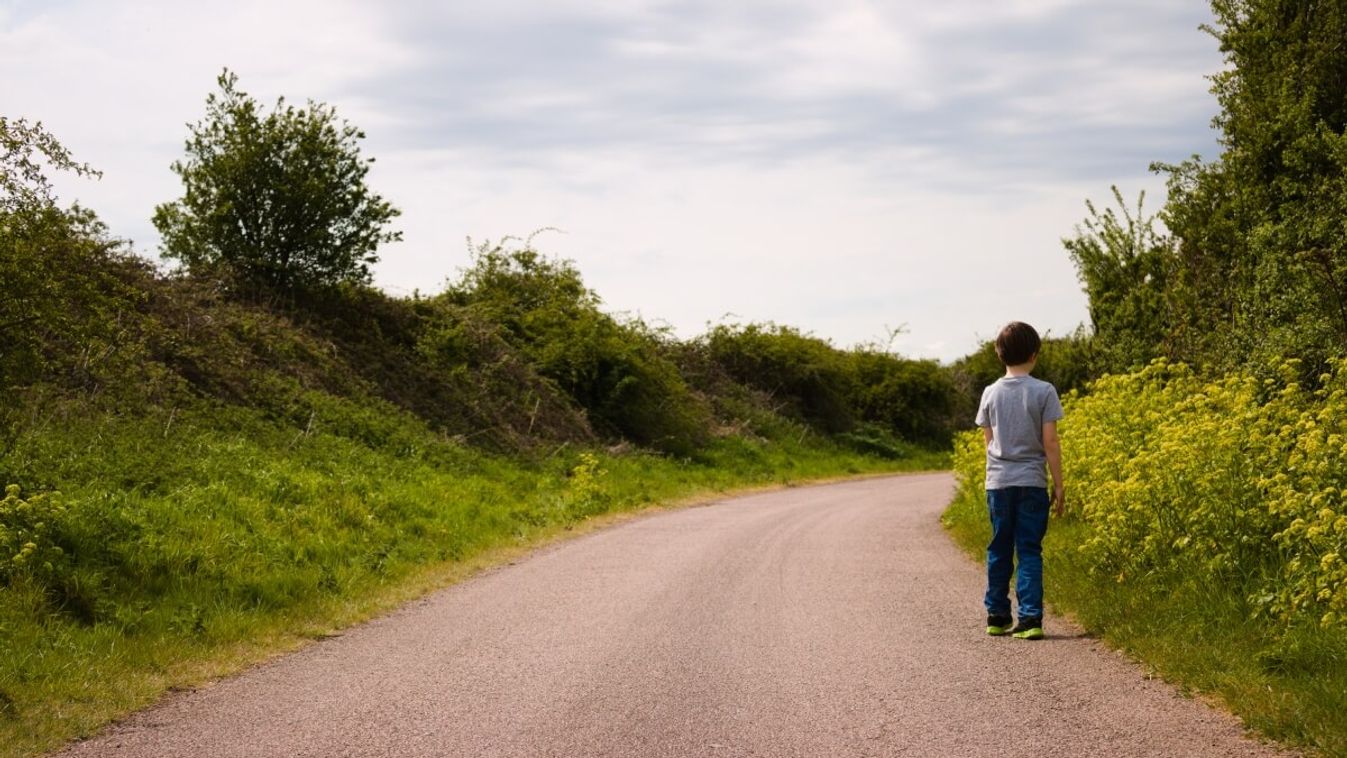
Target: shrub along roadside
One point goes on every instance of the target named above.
(1205, 537)
(834, 391)
(615, 371)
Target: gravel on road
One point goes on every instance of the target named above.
(834, 620)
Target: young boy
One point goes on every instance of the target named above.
(1018, 415)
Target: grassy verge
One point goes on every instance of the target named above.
(208, 544)
(1202, 638)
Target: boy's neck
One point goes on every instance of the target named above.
(1022, 369)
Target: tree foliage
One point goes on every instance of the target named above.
(804, 374)
(912, 399)
(1120, 259)
(57, 320)
(836, 391)
(1255, 265)
(277, 199)
(619, 372)
(24, 147)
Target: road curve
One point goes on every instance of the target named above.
(835, 620)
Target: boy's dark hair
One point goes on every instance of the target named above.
(1017, 343)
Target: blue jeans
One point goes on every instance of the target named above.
(1019, 518)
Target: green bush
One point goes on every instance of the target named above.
(1121, 259)
(617, 372)
(502, 390)
(874, 439)
(911, 399)
(832, 390)
(67, 300)
(803, 375)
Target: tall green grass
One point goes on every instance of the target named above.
(207, 539)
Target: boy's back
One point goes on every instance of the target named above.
(1015, 408)
(1018, 415)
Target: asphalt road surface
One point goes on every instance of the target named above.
(822, 621)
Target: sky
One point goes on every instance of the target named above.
(846, 167)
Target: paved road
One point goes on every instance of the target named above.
(821, 621)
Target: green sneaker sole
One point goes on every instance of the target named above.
(998, 631)
(1029, 634)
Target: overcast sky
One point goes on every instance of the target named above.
(838, 165)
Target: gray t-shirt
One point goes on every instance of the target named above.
(1016, 407)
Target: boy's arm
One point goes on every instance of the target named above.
(1052, 447)
(987, 435)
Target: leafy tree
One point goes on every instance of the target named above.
(277, 199)
(36, 237)
(912, 399)
(1206, 267)
(1255, 265)
(1284, 109)
(1120, 259)
(1260, 268)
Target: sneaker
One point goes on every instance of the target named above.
(998, 625)
(1028, 629)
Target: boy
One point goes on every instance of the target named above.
(1018, 415)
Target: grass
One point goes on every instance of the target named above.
(1202, 638)
(222, 538)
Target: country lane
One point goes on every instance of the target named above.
(834, 620)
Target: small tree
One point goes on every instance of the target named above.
(1120, 260)
(278, 199)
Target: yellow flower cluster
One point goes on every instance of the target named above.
(1234, 481)
(26, 532)
(1305, 496)
(586, 493)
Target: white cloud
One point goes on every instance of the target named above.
(842, 166)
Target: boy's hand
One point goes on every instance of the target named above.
(1058, 501)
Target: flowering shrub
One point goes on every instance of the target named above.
(1305, 496)
(1230, 482)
